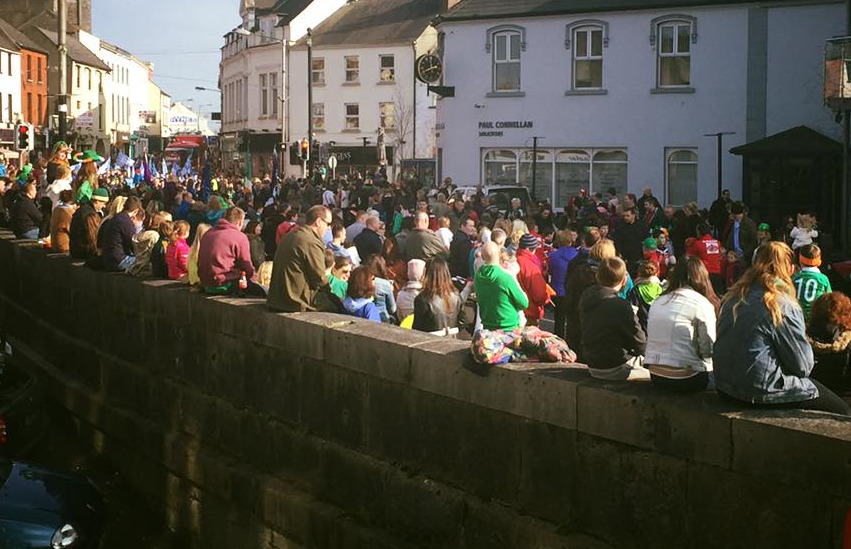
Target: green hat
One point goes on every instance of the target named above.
(25, 172)
(100, 194)
(764, 227)
(650, 243)
(87, 156)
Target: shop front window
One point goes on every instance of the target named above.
(543, 181)
(500, 167)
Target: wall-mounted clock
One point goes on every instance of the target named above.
(429, 68)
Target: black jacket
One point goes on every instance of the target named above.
(459, 255)
(611, 334)
(24, 216)
(628, 240)
(368, 243)
(117, 240)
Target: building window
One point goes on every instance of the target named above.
(29, 68)
(593, 169)
(273, 90)
(9, 106)
(317, 71)
(388, 68)
(39, 76)
(681, 176)
(673, 37)
(588, 58)
(352, 116)
(319, 116)
(352, 69)
(9, 62)
(29, 107)
(89, 77)
(77, 71)
(543, 169)
(387, 115)
(506, 61)
(264, 96)
(79, 106)
(501, 167)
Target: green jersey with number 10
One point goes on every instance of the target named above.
(810, 284)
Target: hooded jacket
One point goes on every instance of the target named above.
(500, 298)
(224, 254)
(361, 307)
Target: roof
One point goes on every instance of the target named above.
(76, 50)
(6, 42)
(19, 38)
(468, 10)
(375, 22)
(798, 141)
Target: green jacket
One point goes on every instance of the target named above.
(500, 298)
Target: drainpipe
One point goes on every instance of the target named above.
(414, 108)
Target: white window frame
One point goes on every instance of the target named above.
(391, 76)
(355, 117)
(264, 94)
(673, 21)
(571, 41)
(273, 92)
(319, 117)
(317, 75)
(509, 35)
(351, 75)
(382, 117)
(669, 153)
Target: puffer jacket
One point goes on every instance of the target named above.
(758, 362)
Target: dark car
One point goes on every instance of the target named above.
(23, 420)
(44, 508)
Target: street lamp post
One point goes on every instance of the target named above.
(309, 97)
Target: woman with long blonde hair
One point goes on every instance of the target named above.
(761, 355)
(192, 262)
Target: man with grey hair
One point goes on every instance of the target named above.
(423, 243)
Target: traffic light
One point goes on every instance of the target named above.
(24, 137)
(304, 152)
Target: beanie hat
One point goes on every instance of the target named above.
(528, 242)
(764, 227)
(24, 173)
(416, 270)
(650, 243)
(100, 194)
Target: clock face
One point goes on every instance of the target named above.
(429, 68)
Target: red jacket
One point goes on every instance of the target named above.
(532, 281)
(708, 250)
(224, 254)
(176, 257)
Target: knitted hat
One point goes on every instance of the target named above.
(764, 227)
(416, 270)
(100, 194)
(87, 156)
(650, 243)
(528, 242)
(24, 173)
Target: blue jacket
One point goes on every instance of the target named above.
(559, 261)
(758, 362)
(362, 307)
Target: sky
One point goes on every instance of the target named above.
(180, 37)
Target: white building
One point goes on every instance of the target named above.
(362, 77)
(252, 76)
(126, 91)
(624, 97)
(86, 79)
(10, 91)
(183, 120)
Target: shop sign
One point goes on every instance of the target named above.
(499, 127)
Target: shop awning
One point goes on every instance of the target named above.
(799, 141)
(185, 142)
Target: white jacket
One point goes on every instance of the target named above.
(681, 331)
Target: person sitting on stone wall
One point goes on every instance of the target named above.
(501, 303)
(225, 255)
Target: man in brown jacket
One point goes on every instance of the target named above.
(423, 243)
(298, 271)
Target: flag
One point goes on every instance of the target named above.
(123, 161)
(105, 167)
(206, 181)
(187, 167)
(147, 173)
(153, 167)
(165, 168)
(174, 169)
(275, 168)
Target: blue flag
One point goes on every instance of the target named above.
(187, 167)
(165, 167)
(153, 167)
(206, 181)
(123, 161)
(275, 168)
(105, 167)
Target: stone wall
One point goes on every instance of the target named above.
(261, 430)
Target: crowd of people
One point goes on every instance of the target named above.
(691, 300)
